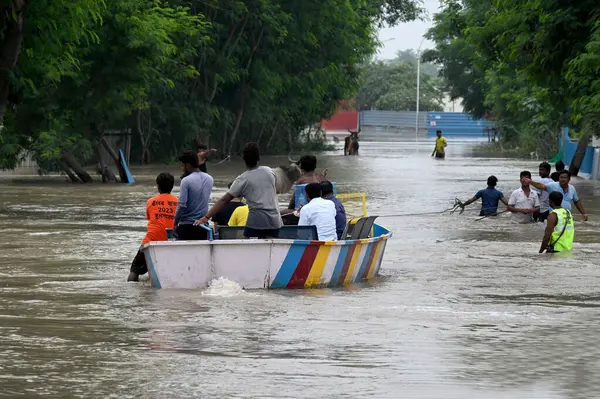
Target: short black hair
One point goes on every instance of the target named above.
(308, 163)
(545, 166)
(165, 183)
(189, 157)
(564, 172)
(326, 188)
(560, 165)
(313, 190)
(525, 173)
(251, 154)
(492, 181)
(201, 147)
(438, 131)
(556, 197)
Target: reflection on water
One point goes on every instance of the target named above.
(464, 309)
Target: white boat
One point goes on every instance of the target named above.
(271, 264)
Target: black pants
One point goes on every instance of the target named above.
(139, 265)
(189, 232)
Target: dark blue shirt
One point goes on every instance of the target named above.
(489, 200)
(340, 216)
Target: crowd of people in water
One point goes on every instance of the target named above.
(259, 215)
(251, 202)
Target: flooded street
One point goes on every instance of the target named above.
(463, 308)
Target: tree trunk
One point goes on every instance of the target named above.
(100, 160)
(272, 134)
(115, 158)
(577, 160)
(10, 46)
(69, 172)
(240, 114)
(72, 163)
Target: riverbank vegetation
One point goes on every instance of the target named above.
(172, 72)
(531, 66)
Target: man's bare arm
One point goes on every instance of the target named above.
(579, 206)
(550, 223)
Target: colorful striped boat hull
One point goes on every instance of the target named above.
(272, 264)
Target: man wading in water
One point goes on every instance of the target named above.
(440, 145)
(560, 229)
(489, 198)
(257, 186)
(567, 190)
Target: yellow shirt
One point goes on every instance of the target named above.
(440, 144)
(239, 217)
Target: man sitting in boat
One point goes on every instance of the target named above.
(194, 194)
(239, 217)
(160, 213)
(308, 165)
(222, 218)
(257, 186)
(319, 212)
(340, 211)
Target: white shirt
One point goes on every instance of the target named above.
(321, 213)
(520, 200)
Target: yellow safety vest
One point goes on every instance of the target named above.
(560, 241)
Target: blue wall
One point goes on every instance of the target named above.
(456, 124)
(568, 148)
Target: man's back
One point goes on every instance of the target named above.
(194, 194)
(257, 186)
(321, 213)
(160, 212)
(489, 200)
(340, 216)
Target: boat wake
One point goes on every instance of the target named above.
(223, 287)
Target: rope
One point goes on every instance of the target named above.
(228, 157)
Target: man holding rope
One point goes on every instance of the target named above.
(490, 197)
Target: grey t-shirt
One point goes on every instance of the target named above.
(194, 193)
(257, 186)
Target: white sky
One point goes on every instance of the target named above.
(409, 35)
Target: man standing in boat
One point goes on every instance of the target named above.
(257, 186)
(194, 194)
(160, 213)
(560, 229)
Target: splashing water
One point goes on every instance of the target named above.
(224, 288)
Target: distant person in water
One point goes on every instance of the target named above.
(560, 229)
(544, 172)
(563, 186)
(257, 186)
(440, 145)
(524, 202)
(490, 197)
(559, 166)
(194, 194)
(203, 153)
(160, 213)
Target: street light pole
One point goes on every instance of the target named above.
(418, 90)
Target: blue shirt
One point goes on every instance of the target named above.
(568, 198)
(194, 193)
(489, 200)
(340, 217)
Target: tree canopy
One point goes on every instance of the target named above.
(530, 65)
(175, 72)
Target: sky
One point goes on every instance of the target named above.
(407, 36)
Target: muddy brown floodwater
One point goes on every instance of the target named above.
(463, 309)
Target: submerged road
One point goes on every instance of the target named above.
(463, 309)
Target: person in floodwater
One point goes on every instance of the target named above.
(340, 211)
(203, 153)
(567, 190)
(440, 145)
(257, 186)
(560, 229)
(559, 166)
(194, 194)
(544, 172)
(490, 197)
(524, 202)
(318, 212)
(160, 213)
